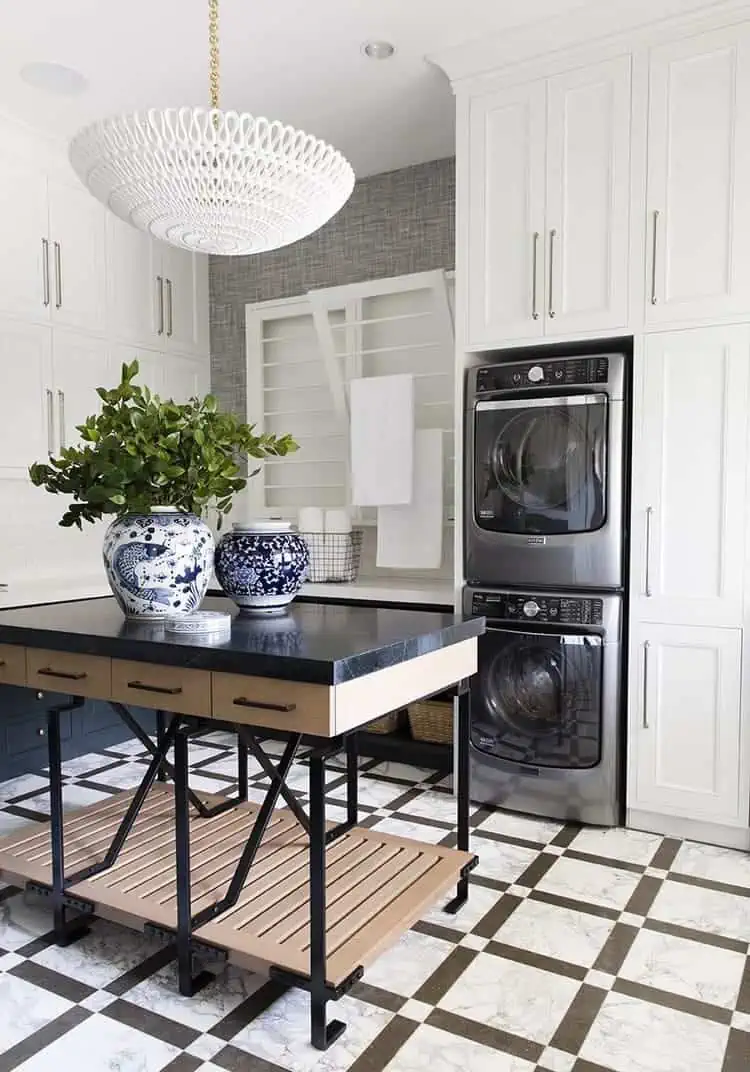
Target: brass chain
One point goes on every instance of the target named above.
(213, 51)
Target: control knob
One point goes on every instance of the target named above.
(531, 608)
(536, 374)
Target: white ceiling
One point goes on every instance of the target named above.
(294, 60)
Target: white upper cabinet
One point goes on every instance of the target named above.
(690, 476)
(77, 257)
(181, 299)
(685, 740)
(130, 283)
(699, 177)
(548, 203)
(588, 198)
(27, 401)
(24, 248)
(505, 284)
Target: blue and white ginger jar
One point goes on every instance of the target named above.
(158, 564)
(261, 565)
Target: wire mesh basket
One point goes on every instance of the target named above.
(334, 556)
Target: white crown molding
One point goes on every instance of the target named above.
(589, 23)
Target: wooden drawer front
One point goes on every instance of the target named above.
(167, 688)
(65, 671)
(12, 665)
(279, 705)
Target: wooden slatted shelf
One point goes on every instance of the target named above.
(377, 885)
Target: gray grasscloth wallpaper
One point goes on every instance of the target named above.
(395, 223)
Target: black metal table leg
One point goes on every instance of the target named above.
(241, 770)
(322, 1033)
(66, 930)
(352, 783)
(161, 725)
(462, 793)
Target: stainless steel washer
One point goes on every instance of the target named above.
(546, 736)
(545, 482)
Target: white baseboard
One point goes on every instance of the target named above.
(730, 837)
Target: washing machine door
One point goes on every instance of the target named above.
(536, 699)
(540, 465)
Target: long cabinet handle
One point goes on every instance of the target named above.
(58, 276)
(646, 649)
(649, 516)
(534, 272)
(160, 303)
(50, 423)
(241, 701)
(551, 308)
(165, 690)
(654, 249)
(170, 308)
(61, 417)
(45, 271)
(67, 675)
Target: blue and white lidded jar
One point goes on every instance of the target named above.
(261, 565)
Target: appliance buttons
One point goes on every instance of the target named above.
(536, 374)
(516, 377)
(531, 608)
(558, 374)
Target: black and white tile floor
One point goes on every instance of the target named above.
(580, 951)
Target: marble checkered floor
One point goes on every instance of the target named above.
(580, 951)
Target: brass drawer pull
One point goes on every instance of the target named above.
(68, 675)
(240, 701)
(175, 690)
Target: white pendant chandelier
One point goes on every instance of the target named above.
(212, 181)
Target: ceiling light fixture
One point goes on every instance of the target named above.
(212, 181)
(378, 50)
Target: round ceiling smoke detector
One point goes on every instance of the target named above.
(54, 78)
(378, 50)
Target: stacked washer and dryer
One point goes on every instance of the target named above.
(544, 562)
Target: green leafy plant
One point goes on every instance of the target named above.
(142, 451)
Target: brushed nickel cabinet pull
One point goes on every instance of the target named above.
(50, 424)
(646, 647)
(170, 318)
(174, 690)
(552, 236)
(45, 271)
(160, 303)
(654, 295)
(58, 276)
(649, 515)
(534, 265)
(61, 417)
(241, 701)
(66, 675)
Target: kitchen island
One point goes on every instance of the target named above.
(273, 890)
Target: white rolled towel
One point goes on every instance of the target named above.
(311, 523)
(338, 527)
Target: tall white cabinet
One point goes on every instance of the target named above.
(77, 297)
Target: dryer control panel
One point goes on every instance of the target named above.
(548, 610)
(564, 372)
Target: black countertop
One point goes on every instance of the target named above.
(321, 643)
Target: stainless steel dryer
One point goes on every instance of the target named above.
(545, 704)
(545, 482)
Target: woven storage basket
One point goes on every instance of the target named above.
(386, 724)
(431, 721)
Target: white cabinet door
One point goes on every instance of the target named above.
(183, 378)
(689, 476)
(78, 258)
(185, 299)
(698, 178)
(505, 205)
(685, 721)
(26, 397)
(81, 364)
(130, 283)
(150, 366)
(24, 283)
(588, 198)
